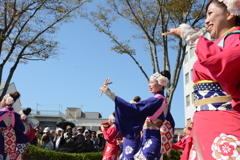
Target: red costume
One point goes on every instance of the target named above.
(220, 64)
(29, 131)
(216, 133)
(180, 145)
(111, 149)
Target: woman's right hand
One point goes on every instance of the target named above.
(104, 89)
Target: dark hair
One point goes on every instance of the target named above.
(114, 113)
(224, 7)
(166, 73)
(15, 95)
(137, 99)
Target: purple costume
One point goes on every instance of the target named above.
(22, 140)
(130, 119)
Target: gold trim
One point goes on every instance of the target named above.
(152, 125)
(219, 99)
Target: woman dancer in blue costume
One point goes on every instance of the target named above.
(13, 141)
(148, 114)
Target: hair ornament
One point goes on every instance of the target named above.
(233, 6)
(162, 80)
(9, 99)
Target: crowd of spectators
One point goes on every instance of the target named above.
(68, 141)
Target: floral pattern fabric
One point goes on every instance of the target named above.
(226, 147)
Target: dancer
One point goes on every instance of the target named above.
(111, 135)
(180, 145)
(29, 131)
(215, 74)
(12, 137)
(130, 117)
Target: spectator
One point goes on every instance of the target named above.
(79, 137)
(51, 136)
(46, 132)
(36, 139)
(68, 129)
(94, 139)
(101, 142)
(86, 133)
(48, 143)
(59, 139)
(69, 137)
(79, 130)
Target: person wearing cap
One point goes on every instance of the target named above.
(29, 131)
(79, 130)
(68, 129)
(46, 132)
(59, 139)
(79, 138)
(101, 142)
(13, 141)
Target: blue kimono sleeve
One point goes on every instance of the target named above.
(131, 117)
(19, 130)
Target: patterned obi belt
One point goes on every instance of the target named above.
(210, 96)
(153, 124)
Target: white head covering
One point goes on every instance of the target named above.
(46, 129)
(9, 99)
(232, 6)
(162, 80)
(112, 118)
(59, 129)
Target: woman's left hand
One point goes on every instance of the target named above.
(177, 31)
(102, 128)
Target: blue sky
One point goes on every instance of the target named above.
(85, 61)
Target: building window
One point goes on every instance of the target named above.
(186, 57)
(186, 78)
(192, 97)
(188, 100)
(192, 52)
(191, 74)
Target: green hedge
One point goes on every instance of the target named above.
(175, 155)
(36, 153)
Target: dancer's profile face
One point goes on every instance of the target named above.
(154, 86)
(217, 20)
(3, 103)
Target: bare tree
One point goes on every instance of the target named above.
(27, 28)
(151, 18)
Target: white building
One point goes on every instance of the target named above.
(49, 118)
(190, 58)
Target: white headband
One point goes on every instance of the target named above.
(112, 118)
(9, 99)
(233, 6)
(162, 80)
